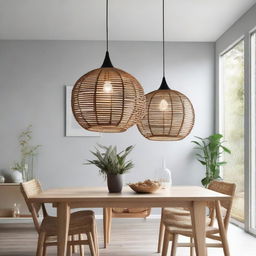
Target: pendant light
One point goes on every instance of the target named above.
(107, 99)
(169, 114)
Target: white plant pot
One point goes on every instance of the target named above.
(17, 177)
(2, 179)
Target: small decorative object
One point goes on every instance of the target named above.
(16, 210)
(2, 179)
(147, 186)
(169, 114)
(28, 152)
(164, 176)
(112, 165)
(72, 126)
(17, 177)
(108, 99)
(210, 151)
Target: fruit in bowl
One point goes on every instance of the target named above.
(147, 186)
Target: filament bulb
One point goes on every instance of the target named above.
(163, 105)
(107, 87)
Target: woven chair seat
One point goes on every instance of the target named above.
(176, 211)
(182, 221)
(80, 222)
(188, 231)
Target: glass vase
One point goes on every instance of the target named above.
(28, 169)
(163, 175)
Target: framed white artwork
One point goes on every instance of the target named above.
(72, 126)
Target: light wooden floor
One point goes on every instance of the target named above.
(130, 237)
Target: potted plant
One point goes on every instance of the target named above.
(210, 152)
(112, 165)
(28, 152)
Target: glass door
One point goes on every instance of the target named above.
(232, 121)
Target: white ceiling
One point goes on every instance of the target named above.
(186, 20)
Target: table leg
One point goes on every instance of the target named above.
(63, 215)
(198, 224)
(105, 226)
(109, 223)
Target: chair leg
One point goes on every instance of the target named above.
(192, 247)
(223, 233)
(174, 244)
(81, 246)
(45, 247)
(40, 244)
(166, 240)
(69, 250)
(95, 238)
(44, 250)
(91, 244)
(161, 233)
(225, 247)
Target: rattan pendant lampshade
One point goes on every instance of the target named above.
(108, 99)
(169, 114)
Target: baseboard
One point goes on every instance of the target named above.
(15, 220)
(151, 216)
(29, 220)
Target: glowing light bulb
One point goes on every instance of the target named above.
(107, 87)
(163, 105)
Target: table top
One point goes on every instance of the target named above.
(94, 194)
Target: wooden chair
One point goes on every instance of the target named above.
(109, 213)
(81, 223)
(176, 225)
(168, 213)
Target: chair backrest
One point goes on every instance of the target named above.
(227, 189)
(29, 189)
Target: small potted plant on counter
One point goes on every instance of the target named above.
(112, 165)
(24, 169)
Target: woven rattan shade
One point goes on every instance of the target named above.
(174, 123)
(115, 111)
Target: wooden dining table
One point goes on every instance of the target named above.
(192, 197)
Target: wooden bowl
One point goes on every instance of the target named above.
(147, 186)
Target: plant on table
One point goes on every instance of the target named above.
(112, 164)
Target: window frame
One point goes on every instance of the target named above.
(250, 181)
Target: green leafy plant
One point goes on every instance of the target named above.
(26, 149)
(210, 152)
(109, 161)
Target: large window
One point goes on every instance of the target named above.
(252, 176)
(232, 121)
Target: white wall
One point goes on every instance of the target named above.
(32, 79)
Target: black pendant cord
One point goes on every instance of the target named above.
(164, 85)
(163, 40)
(107, 62)
(107, 10)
